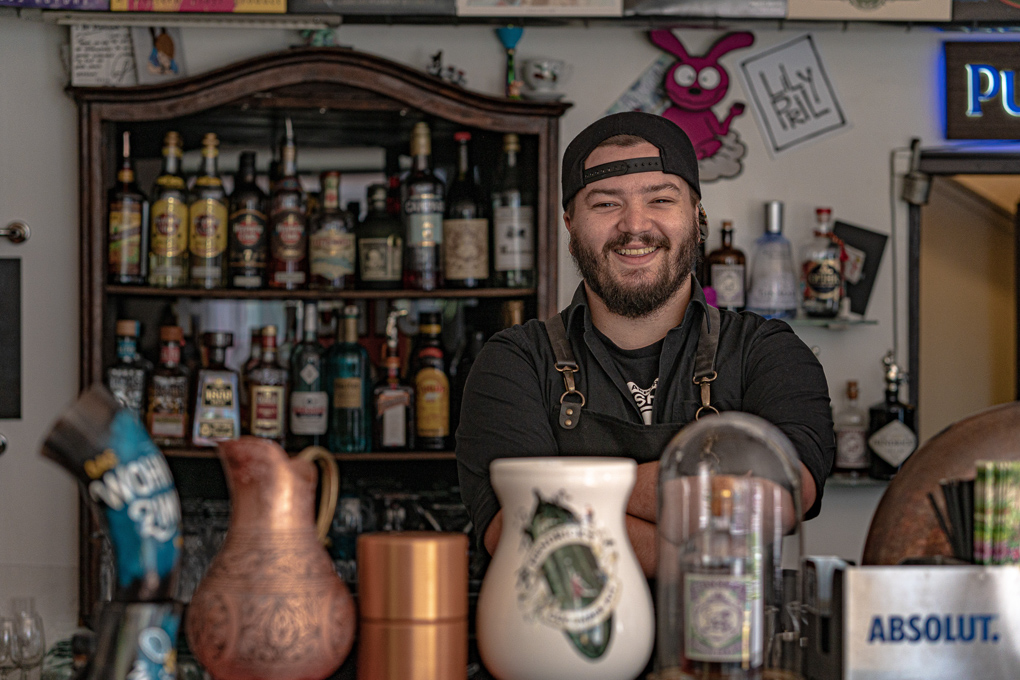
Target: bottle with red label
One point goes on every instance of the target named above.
(167, 415)
(128, 212)
(431, 385)
(248, 237)
(288, 227)
(331, 240)
(267, 393)
(208, 218)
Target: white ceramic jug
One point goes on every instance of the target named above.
(564, 597)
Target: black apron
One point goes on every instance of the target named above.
(581, 432)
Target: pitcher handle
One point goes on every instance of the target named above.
(330, 487)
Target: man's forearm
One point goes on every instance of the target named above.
(644, 540)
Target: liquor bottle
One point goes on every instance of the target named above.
(393, 399)
(431, 385)
(726, 272)
(513, 223)
(350, 419)
(208, 218)
(822, 270)
(892, 436)
(249, 240)
(773, 285)
(851, 428)
(329, 324)
(168, 219)
(512, 313)
(254, 358)
(193, 350)
(422, 209)
(217, 413)
(128, 378)
(267, 393)
(466, 230)
(309, 403)
(459, 379)
(331, 240)
(288, 237)
(380, 244)
(292, 315)
(167, 416)
(128, 213)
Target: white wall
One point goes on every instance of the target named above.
(886, 77)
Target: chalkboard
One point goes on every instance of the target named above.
(10, 338)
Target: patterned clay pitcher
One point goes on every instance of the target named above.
(564, 597)
(271, 606)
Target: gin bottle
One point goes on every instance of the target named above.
(851, 428)
(773, 286)
(350, 424)
(309, 403)
(892, 435)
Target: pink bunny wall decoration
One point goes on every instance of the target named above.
(694, 85)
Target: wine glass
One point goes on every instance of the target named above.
(31, 641)
(9, 654)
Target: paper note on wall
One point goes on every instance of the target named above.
(102, 57)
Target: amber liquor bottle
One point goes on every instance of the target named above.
(380, 243)
(288, 228)
(466, 230)
(725, 269)
(168, 233)
(393, 399)
(217, 414)
(207, 215)
(167, 417)
(422, 209)
(267, 393)
(892, 435)
(331, 240)
(513, 223)
(253, 360)
(248, 236)
(431, 385)
(128, 213)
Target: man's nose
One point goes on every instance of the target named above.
(634, 220)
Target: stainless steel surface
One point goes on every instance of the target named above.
(16, 232)
(935, 623)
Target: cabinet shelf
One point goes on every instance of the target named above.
(832, 324)
(394, 457)
(266, 294)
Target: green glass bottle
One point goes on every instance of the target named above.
(349, 385)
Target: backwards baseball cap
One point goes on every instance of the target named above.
(676, 153)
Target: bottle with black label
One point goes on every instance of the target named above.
(168, 218)
(466, 230)
(208, 218)
(422, 207)
(331, 240)
(822, 270)
(380, 244)
(249, 240)
(288, 227)
(431, 384)
(167, 415)
(513, 223)
(892, 435)
(217, 397)
(128, 214)
(350, 421)
(128, 379)
(309, 403)
(725, 272)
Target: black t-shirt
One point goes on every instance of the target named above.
(513, 391)
(640, 370)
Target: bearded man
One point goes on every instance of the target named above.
(638, 339)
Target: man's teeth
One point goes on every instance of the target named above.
(637, 252)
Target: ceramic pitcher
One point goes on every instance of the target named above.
(564, 597)
(271, 606)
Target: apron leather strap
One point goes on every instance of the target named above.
(570, 409)
(704, 360)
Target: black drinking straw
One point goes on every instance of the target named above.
(942, 521)
(967, 489)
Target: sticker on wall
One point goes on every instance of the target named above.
(158, 54)
(794, 100)
(102, 56)
(871, 10)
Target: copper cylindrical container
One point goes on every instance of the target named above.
(413, 606)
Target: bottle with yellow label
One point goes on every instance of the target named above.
(217, 412)
(168, 231)
(128, 224)
(331, 240)
(431, 385)
(208, 219)
(349, 386)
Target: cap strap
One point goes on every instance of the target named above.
(624, 167)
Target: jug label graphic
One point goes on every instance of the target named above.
(567, 578)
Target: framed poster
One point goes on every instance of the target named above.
(981, 90)
(540, 8)
(871, 10)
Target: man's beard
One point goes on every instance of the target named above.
(638, 300)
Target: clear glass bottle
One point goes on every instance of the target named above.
(208, 218)
(466, 237)
(254, 357)
(167, 415)
(851, 427)
(331, 240)
(128, 378)
(309, 403)
(267, 393)
(772, 291)
(393, 399)
(422, 207)
(892, 434)
(248, 237)
(431, 385)
(822, 270)
(380, 244)
(168, 219)
(217, 415)
(128, 224)
(725, 270)
(513, 223)
(288, 225)
(350, 418)
(292, 332)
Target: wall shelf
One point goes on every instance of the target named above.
(267, 294)
(370, 456)
(832, 324)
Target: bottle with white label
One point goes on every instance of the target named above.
(892, 435)
(851, 428)
(309, 412)
(393, 398)
(513, 223)
(725, 270)
(772, 292)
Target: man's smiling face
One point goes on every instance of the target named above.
(633, 237)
